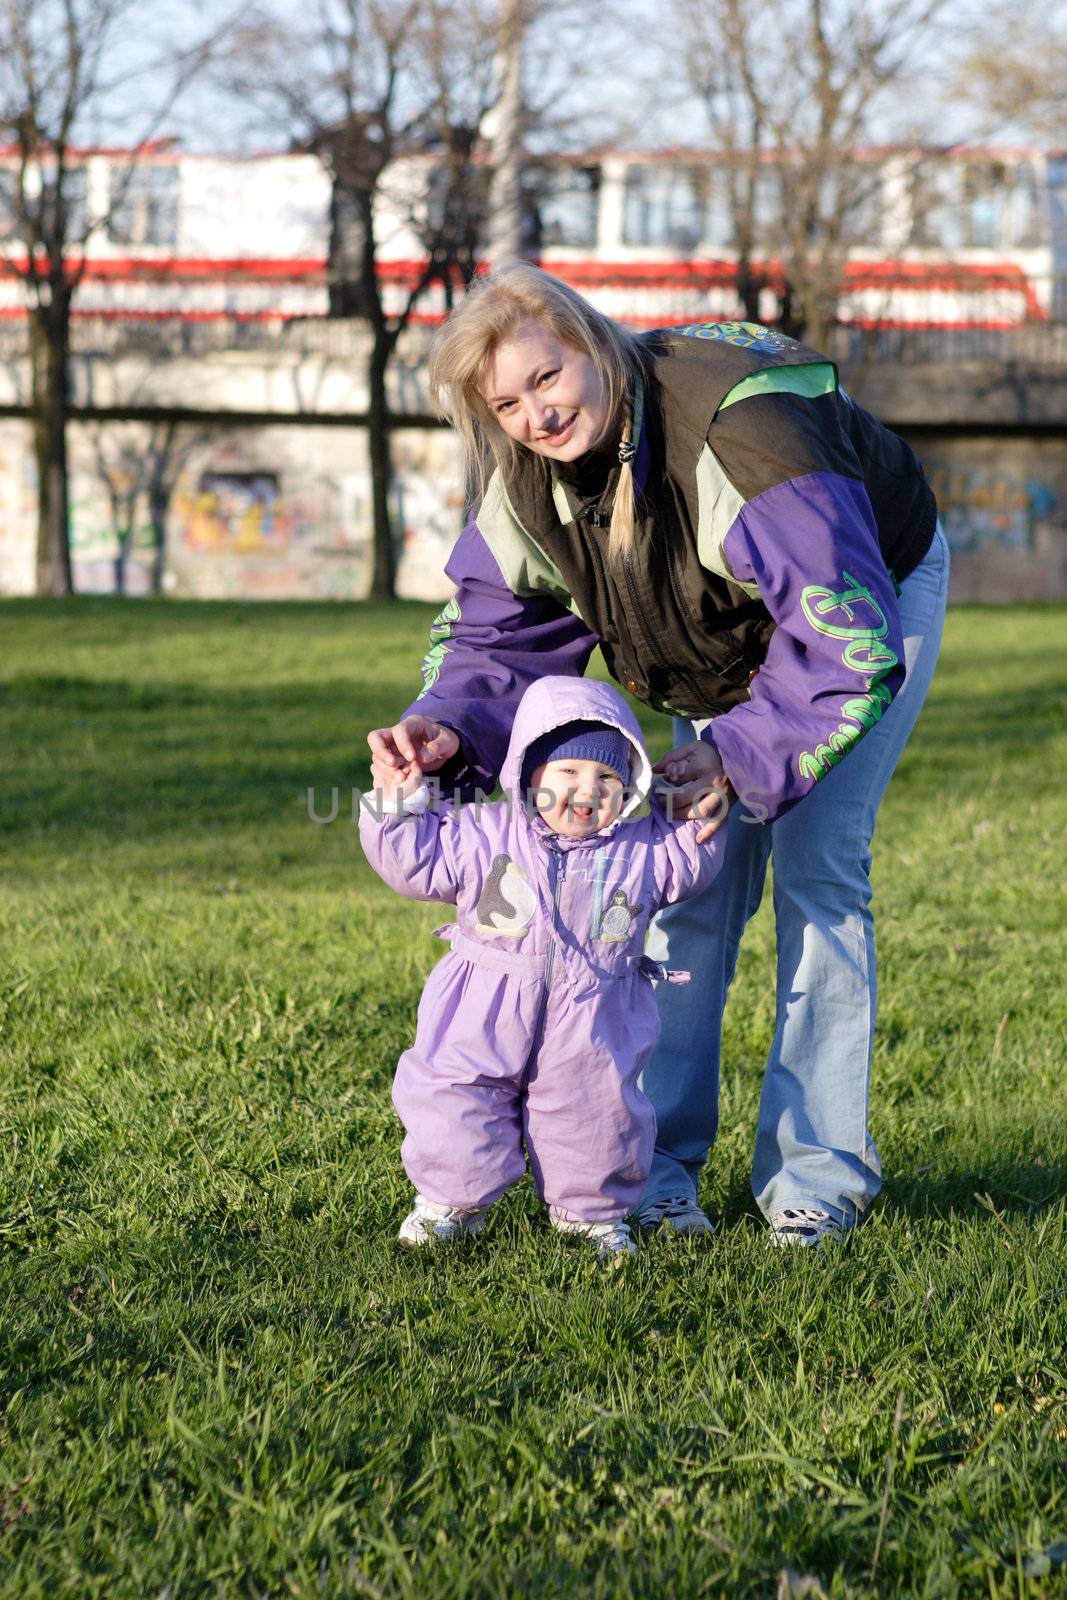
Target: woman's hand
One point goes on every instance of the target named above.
(698, 785)
(415, 744)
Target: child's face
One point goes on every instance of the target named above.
(577, 797)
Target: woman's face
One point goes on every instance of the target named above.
(545, 395)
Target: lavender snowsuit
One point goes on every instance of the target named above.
(538, 1022)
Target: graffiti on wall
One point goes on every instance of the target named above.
(92, 532)
(982, 506)
(250, 514)
(239, 512)
(18, 511)
(426, 520)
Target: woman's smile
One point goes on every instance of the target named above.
(559, 435)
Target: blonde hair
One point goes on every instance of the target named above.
(495, 307)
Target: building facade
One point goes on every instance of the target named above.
(217, 446)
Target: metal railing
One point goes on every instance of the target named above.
(1035, 343)
(1030, 344)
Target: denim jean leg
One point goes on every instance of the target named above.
(813, 1143)
(701, 936)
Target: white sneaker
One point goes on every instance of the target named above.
(804, 1226)
(612, 1239)
(680, 1214)
(431, 1223)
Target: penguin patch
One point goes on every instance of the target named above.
(507, 903)
(619, 918)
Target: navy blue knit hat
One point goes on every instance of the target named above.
(580, 741)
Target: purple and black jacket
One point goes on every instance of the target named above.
(775, 521)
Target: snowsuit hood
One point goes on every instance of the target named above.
(550, 703)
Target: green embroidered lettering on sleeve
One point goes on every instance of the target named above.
(440, 633)
(838, 615)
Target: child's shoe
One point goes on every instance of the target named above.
(612, 1239)
(431, 1223)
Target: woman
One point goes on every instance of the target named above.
(758, 557)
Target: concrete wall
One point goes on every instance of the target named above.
(1003, 501)
(254, 512)
(279, 511)
(18, 509)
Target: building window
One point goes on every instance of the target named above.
(1026, 220)
(75, 200)
(567, 206)
(864, 206)
(974, 205)
(986, 197)
(719, 230)
(144, 206)
(664, 206)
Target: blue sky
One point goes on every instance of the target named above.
(636, 94)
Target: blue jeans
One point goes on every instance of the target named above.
(813, 1144)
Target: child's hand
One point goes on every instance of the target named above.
(394, 779)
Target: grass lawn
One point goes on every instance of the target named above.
(219, 1375)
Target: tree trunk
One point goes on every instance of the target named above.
(50, 359)
(383, 577)
(160, 488)
(506, 231)
(749, 288)
(383, 574)
(817, 331)
(158, 509)
(158, 502)
(793, 321)
(345, 268)
(123, 535)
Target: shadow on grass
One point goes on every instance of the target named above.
(98, 758)
(144, 760)
(997, 1188)
(958, 720)
(161, 615)
(62, 1308)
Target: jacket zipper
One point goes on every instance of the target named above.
(698, 699)
(557, 889)
(640, 619)
(598, 523)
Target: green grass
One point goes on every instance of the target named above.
(218, 1373)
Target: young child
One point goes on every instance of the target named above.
(538, 1022)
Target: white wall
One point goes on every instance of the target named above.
(263, 207)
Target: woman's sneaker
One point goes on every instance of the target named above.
(804, 1225)
(678, 1213)
(431, 1223)
(612, 1239)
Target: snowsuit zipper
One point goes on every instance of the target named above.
(560, 860)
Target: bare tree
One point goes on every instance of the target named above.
(790, 88)
(140, 475)
(62, 63)
(1015, 73)
(389, 94)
